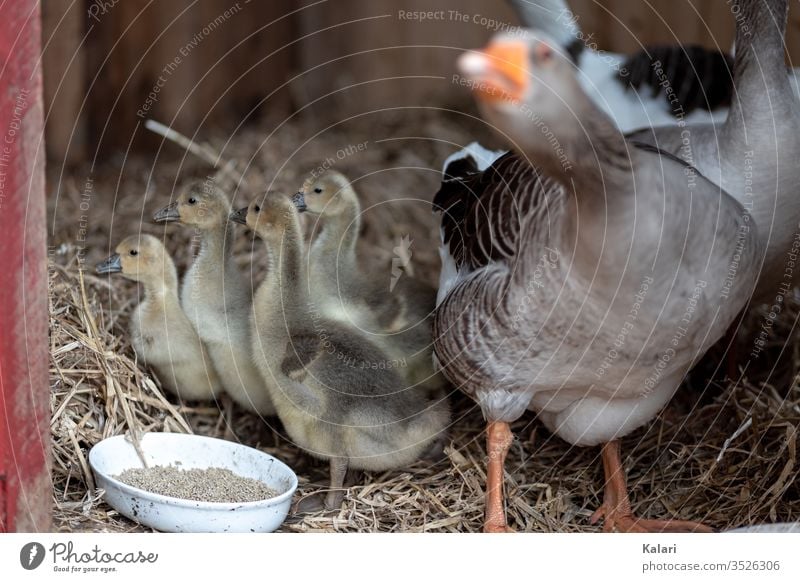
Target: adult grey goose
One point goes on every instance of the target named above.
(584, 275)
(753, 154)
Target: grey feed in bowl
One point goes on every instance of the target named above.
(213, 485)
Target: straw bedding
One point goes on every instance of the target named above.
(723, 452)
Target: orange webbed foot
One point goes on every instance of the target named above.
(615, 510)
(625, 522)
(500, 528)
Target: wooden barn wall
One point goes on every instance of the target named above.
(191, 63)
(64, 72)
(102, 58)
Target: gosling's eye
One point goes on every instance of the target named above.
(134, 252)
(192, 200)
(318, 190)
(257, 208)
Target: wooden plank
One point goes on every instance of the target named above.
(359, 57)
(718, 26)
(352, 57)
(108, 125)
(63, 26)
(246, 67)
(183, 62)
(793, 35)
(25, 484)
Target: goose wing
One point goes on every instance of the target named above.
(483, 213)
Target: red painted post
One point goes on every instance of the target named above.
(25, 484)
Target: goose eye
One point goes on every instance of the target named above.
(542, 52)
(192, 200)
(134, 252)
(257, 208)
(318, 190)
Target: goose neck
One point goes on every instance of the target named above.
(582, 149)
(552, 17)
(286, 275)
(339, 235)
(760, 30)
(216, 243)
(163, 286)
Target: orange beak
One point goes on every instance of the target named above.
(499, 72)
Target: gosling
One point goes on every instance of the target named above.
(396, 315)
(214, 295)
(161, 334)
(333, 390)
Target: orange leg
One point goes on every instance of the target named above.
(616, 508)
(498, 441)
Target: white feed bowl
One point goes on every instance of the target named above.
(114, 455)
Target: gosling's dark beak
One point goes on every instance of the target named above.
(111, 265)
(239, 216)
(168, 214)
(299, 201)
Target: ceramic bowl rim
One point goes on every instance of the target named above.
(192, 503)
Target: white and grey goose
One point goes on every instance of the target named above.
(753, 154)
(549, 260)
(627, 87)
